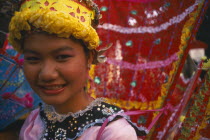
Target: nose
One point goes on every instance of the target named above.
(48, 72)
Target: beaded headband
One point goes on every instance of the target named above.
(64, 18)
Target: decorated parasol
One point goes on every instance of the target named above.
(16, 96)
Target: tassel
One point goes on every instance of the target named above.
(206, 63)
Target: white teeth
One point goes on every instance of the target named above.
(53, 87)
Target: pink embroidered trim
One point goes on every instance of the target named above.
(150, 29)
(149, 65)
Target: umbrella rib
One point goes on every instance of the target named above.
(14, 93)
(8, 78)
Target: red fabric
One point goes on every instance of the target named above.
(137, 71)
(198, 44)
(146, 47)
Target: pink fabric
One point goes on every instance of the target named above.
(164, 110)
(117, 130)
(33, 127)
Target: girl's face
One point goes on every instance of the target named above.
(56, 68)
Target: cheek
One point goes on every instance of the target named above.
(30, 73)
(77, 72)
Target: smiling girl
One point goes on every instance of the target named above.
(57, 69)
(58, 40)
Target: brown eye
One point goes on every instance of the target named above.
(32, 59)
(63, 57)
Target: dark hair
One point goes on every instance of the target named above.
(25, 34)
(86, 50)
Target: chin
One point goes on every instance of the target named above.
(53, 100)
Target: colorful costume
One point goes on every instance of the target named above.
(45, 123)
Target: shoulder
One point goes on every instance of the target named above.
(33, 115)
(118, 123)
(32, 127)
(119, 129)
(32, 118)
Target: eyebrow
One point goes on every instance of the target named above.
(64, 48)
(29, 51)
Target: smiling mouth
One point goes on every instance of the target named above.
(56, 87)
(52, 89)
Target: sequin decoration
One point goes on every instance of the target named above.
(97, 80)
(104, 9)
(108, 111)
(133, 84)
(129, 43)
(132, 21)
(60, 134)
(134, 12)
(167, 4)
(141, 120)
(157, 41)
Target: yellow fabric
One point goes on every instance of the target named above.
(206, 65)
(61, 17)
(91, 75)
(64, 6)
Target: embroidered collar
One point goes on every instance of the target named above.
(52, 115)
(73, 125)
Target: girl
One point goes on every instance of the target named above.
(58, 40)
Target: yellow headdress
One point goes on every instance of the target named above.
(64, 18)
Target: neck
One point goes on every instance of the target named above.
(79, 102)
